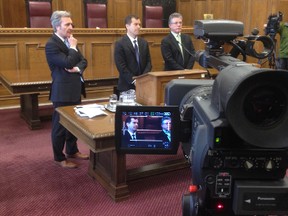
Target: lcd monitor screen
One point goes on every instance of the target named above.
(147, 129)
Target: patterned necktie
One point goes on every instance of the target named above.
(136, 50)
(178, 38)
(168, 135)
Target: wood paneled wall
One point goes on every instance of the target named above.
(253, 13)
(23, 50)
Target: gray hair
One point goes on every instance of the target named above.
(56, 18)
(174, 15)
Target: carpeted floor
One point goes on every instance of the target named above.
(31, 184)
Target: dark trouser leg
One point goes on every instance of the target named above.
(71, 143)
(60, 135)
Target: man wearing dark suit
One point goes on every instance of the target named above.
(131, 136)
(132, 55)
(165, 134)
(176, 48)
(67, 65)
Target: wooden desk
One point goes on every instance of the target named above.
(106, 165)
(29, 85)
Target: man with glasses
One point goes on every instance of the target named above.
(165, 134)
(177, 49)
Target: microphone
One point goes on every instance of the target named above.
(194, 56)
(186, 49)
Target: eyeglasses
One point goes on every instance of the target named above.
(176, 23)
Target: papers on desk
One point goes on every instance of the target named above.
(90, 110)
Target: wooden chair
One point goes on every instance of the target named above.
(39, 13)
(95, 15)
(153, 17)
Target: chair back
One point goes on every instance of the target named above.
(153, 17)
(39, 13)
(96, 15)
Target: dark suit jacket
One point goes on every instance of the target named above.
(126, 63)
(66, 87)
(126, 138)
(162, 136)
(171, 52)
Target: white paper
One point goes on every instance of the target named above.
(90, 110)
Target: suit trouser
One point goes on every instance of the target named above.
(60, 135)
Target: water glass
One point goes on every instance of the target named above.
(113, 101)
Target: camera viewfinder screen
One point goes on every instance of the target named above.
(147, 129)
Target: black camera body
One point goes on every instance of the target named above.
(239, 141)
(273, 24)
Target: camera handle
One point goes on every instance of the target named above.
(272, 58)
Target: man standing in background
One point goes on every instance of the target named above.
(67, 65)
(177, 49)
(132, 55)
(283, 53)
(165, 134)
(131, 135)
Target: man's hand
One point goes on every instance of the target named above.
(72, 41)
(73, 70)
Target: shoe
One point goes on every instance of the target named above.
(79, 155)
(66, 164)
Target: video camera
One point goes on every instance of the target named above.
(273, 24)
(238, 138)
(216, 33)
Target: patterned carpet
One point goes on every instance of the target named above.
(31, 184)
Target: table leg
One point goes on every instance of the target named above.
(30, 110)
(109, 169)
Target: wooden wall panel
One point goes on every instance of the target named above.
(138, 9)
(256, 15)
(155, 52)
(14, 13)
(120, 9)
(185, 8)
(35, 58)
(236, 10)
(218, 9)
(9, 56)
(102, 60)
(77, 10)
(283, 7)
(199, 7)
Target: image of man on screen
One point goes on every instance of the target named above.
(165, 134)
(130, 135)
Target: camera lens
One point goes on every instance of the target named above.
(265, 106)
